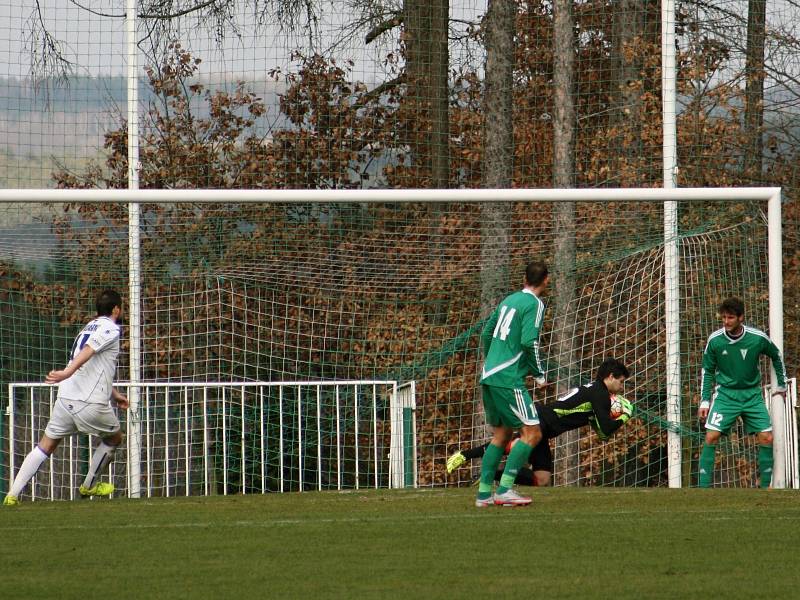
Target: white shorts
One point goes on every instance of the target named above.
(71, 416)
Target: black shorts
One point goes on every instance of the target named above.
(541, 457)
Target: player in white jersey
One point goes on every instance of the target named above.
(84, 399)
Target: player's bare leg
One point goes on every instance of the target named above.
(542, 478)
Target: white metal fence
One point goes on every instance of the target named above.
(243, 437)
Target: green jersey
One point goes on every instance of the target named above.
(510, 341)
(734, 363)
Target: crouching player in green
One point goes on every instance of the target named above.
(731, 360)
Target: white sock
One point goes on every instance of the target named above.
(29, 467)
(100, 459)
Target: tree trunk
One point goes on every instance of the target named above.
(754, 88)
(566, 451)
(498, 163)
(427, 63)
(628, 25)
(440, 118)
(498, 94)
(563, 97)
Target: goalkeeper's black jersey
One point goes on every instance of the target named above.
(589, 404)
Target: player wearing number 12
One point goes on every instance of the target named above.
(731, 360)
(510, 342)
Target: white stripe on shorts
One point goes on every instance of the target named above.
(522, 412)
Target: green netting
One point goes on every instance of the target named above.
(400, 95)
(389, 292)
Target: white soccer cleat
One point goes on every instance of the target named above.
(511, 498)
(484, 502)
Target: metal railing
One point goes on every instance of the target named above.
(208, 438)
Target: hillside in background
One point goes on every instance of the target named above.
(55, 125)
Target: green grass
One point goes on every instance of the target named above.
(572, 543)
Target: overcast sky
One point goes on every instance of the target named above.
(96, 45)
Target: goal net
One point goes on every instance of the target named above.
(383, 288)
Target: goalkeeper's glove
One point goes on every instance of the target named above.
(627, 410)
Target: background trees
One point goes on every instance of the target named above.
(556, 95)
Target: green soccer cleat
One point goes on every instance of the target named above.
(11, 501)
(99, 489)
(455, 461)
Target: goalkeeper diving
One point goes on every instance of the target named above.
(589, 404)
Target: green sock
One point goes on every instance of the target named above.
(706, 465)
(517, 458)
(491, 459)
(765, 465)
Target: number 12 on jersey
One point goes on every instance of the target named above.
(504, 323)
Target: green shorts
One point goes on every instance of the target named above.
(508, 407)
(728, 404)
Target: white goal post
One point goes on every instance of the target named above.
(671, 276)
(787, 419)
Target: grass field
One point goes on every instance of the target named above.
(572, 543)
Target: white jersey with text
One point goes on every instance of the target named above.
(93, 381)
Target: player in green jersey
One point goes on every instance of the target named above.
(731, 361)
(510, 342)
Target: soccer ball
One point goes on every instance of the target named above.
(616, 406)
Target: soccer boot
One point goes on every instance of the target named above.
(484, 502)
(98, 489)
(511, 498)
(11, 501)
(454, 461)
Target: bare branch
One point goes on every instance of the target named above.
(180, 13)
(96, 12)
(380, 90)
(47, 56)
(384, 26)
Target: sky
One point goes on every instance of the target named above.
(66, 122)
(96, 45)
